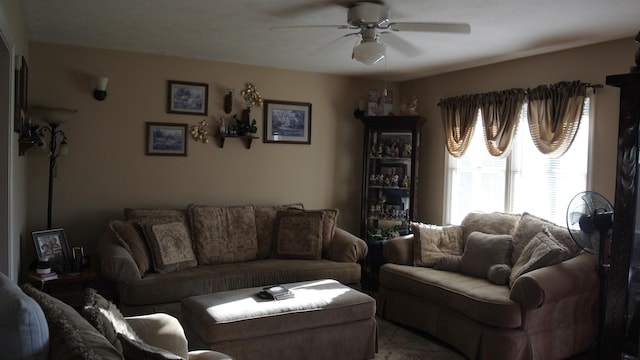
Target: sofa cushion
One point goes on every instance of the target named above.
(543, 250)
(71, 336)
(490, 223)
(24, 333)
(484, 250)
(432, 242)
(265, 226)
(298, 234)
(224, 234)
(470, 296)
(170, 244)
(106, 318)
(131, 237)
(136, 349)
(530, 225)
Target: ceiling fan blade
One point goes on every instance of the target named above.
(309, 27)
(401, 45)
(331, 45)
(460, 28)
(316, 5)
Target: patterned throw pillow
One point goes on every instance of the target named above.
(432, 242)
(224, 234)
(299, 235)
(484, 250)
(131, 237)
(170, 244)
(265, 226)
(543, 250)
(329, 223)
(106, 318)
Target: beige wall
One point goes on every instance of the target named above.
(589, 64)
(14, 172)
(107, 169)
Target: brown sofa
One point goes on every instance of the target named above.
(546, 311)
(229, 248)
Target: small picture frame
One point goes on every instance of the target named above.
(187, 98)
(166, 139)
(52, 245)
(287, 122)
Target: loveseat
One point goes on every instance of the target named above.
(35, 325)
(157, 257)
(498, 286)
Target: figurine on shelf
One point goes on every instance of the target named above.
(394, 180)
(405, 182)
(222, 126)
(406, 153)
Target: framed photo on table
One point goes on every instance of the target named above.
(52, 245)
(187, 98)
(287, 122)
(166, 139)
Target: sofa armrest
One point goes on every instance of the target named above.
(208, 355)
(161, 330)
(552, 283)
(116, 263)
(399, 250)
(346, 247)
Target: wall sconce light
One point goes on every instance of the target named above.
(100, 92)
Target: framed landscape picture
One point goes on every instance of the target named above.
(52, 245)
(287, 122)
(166, 139)
(187, 98)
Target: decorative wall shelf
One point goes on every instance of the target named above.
(247, 139)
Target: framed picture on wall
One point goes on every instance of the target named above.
(21, 87)
(187, 98)
(52, 245)
(166, 139)
(287, 122)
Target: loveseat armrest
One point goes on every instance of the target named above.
(208, 355)
(116, 263)
(161, 330)
(552, 283)
(399, 250)
(346, 247)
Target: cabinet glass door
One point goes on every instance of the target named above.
(389, 184)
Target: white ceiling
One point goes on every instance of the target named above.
(239, 31)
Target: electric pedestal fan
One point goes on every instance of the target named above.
(590, 222)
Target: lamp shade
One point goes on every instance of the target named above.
(51, 115)
(369, 51)
(101, 83)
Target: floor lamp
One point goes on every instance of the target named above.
(55, 139)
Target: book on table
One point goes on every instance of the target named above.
(43, 277)
(276, 292)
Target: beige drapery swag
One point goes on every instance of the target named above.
(459, 119)
(554, 115)
(500, 113)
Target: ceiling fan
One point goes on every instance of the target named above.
(371, 19)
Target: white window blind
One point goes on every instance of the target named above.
(526, 180)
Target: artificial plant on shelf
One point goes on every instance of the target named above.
(244, 126)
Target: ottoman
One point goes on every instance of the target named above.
(324, 320)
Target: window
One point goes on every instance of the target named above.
(525, 180)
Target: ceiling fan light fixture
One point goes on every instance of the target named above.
(369, 51)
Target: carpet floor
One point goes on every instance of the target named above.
(396, 342)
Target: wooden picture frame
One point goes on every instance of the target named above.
(52, 245)
(21, 83)
(189, 98)
(166, 139)
(287, 122)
